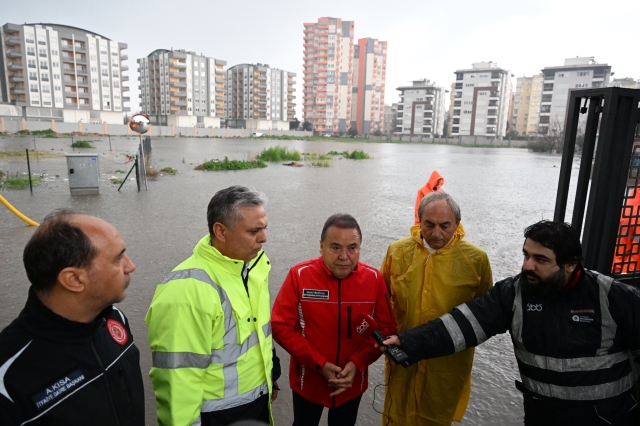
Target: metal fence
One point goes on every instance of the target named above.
(41, 170)
(626, 261)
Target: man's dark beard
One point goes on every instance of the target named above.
(543, 288)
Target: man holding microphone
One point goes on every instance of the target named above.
(314, 319)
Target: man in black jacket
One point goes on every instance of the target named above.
(575, 333)
(69, 357)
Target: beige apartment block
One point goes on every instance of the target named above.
(526, 109)
(370, 70)
(63, 73)
(260, 97)
(182, 88)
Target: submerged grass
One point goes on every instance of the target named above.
(321, 163)
(279, 153)
(169, 170)
(19, 183)
(215, 166)
(82, 144)
(354, 155)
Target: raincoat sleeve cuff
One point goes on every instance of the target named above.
(320, 361)
(359, 365)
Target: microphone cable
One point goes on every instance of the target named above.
(388, 415)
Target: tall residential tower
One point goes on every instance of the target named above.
(526, 109)
(328, 75)
(370, 69)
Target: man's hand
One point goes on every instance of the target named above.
(274, 391)
(391, 340)
(329, 371)
(344, 379)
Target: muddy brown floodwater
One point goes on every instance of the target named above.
(500, 192)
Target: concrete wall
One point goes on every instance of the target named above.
(455, 140)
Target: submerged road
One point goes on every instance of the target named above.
(500, 191)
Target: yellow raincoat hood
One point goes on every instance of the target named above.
(424, 286)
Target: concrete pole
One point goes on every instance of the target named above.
(173, 130)
(105, 128)
(2, 125)
(80, 125)
(24, 124)
(53, 125)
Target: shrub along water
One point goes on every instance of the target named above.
(279, 153)
(19, 183)
(215, 166)
(82, 144)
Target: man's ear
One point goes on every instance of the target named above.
(320, 246)
(219, 230)
(73, 279)
(570, 268)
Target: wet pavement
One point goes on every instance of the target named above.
(500, 191)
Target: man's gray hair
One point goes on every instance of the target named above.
(438, 196)
(225, 205)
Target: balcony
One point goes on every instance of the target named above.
(81, 72)
(18, 90)
(80, 49)
(12, 40)
(83, 83)
(178, 103)
(178, 74)
(493, 112)
(124, 78)
(14, 53)
(262, 77)
(178, 93)
(176, 64)
(16, 78)
(15, 65)
(124, 68)
(177, 84)
(68, 59)
(84, 94)
(126, 99)
(67, 47)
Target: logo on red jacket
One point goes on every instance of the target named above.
(362, 327)
(117, 332)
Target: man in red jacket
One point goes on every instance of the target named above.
(313, 317)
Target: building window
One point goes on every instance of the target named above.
(31, 51)
(42, 53)
(105, 83)
(42, 40)
(582, 85)
(33, 76)
(54, 53)
(29, 38)
(583, 74)
(31, 63)
(33, 88)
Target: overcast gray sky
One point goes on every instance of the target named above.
(427, 39)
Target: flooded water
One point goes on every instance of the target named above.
(500, 191)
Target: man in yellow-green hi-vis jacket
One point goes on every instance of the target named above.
(209, 322)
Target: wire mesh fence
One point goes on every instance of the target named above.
(43, 168)
(626, 261)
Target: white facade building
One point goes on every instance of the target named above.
(481, 101)
(62, 73)
(576, 73)
(421, 109)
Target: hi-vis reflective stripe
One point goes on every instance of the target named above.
(228, 356)
(608, 324)
(454, 331)
(266, 329)
(580, 393)
(516, 322)
(481, 337)
(568, 365)
(170, 360)
(209, 405)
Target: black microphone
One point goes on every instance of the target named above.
(367, 326)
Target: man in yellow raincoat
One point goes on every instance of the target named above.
(428, 274)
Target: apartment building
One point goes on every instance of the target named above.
(328, 75)
(576, 73)
(526, 108)
(480, 98)
(390, 112)
(182, 88)
(626, 83)
(370, 70)
(421, 109)
(63, 73)
(260, 97)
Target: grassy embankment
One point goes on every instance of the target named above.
(362, 140)
(18, 183)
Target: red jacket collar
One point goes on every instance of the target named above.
(326, 270)
(574, 280)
